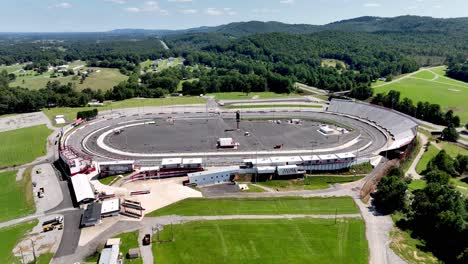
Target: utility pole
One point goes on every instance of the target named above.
(336, 212)
(34, 251)
(22, 256)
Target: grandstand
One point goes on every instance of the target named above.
(402, 128)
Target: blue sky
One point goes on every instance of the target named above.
(101, 15)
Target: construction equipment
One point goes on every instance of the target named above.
(47, 228)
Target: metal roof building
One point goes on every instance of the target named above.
(84, 193)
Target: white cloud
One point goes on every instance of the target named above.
(220, 11)
(264, 11)
(120, 2)
(287, 2)
(188, 11)
(63, 5)
(149, 6)
(372, 5)
(181, 1)
(214, 12)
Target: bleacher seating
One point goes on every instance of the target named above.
(401, 127)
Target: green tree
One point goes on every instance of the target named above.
(442, 161)
(390, 195)
(450, 133)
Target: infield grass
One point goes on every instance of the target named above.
(274, 106)
(16, 197)
(265, 241)
(259, 206)
(244, 96)
(70, 112)
(10, 237)
(23, 145)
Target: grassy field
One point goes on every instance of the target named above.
(70, 112)
(451, 149)
(417, 185)
(333, 63)
(260, 206)
(45, 258)
(12, 68)
(10, 237)
(102, 78)
(265, 241)
(253, 188)
(309, 183)
(449, 93)
(16, 197)
(129, 240)
(409, 249)
(244, 96)
(274, 106)
(23, 145)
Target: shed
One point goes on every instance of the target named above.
(133, 253)
(92, 215)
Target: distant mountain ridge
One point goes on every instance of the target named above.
(364, 24)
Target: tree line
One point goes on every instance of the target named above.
(422, 110)
(436, 214)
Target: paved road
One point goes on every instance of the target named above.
(412, 169)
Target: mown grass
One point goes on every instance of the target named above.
(309, 182)
(452, 149)
(253, 189)
(45, 258)
(11, 236)
(129, 240)
(417, 185)
(424, 74)
(244, 96)
(16, 197)
(426, 157)
(23, 145)
(70, 112)
(449, 94)
(259, 206)
(274, 106)
(265, 241)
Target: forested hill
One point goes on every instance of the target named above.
(363, 24)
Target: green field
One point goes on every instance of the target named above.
(259, 206)
(10, 237)
(449, 93)
(244, 96)
(105, 79)
(254, 189)
(274, 106)
(265, 241)
(129, 240)
(451, 149)
(332, 63)
(45, 258)
(23, 145)
(16, 197)
(70, 112)
(12, 68)
(417, 185)
(309, 183)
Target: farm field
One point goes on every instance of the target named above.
(244, 96)
(265, 241)
(274, 105)
(16, 197)
(259, 206)
(22, 146)
(102, 78)
(70, 112)
(309, 183)
(449, 93)
(10, 237)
